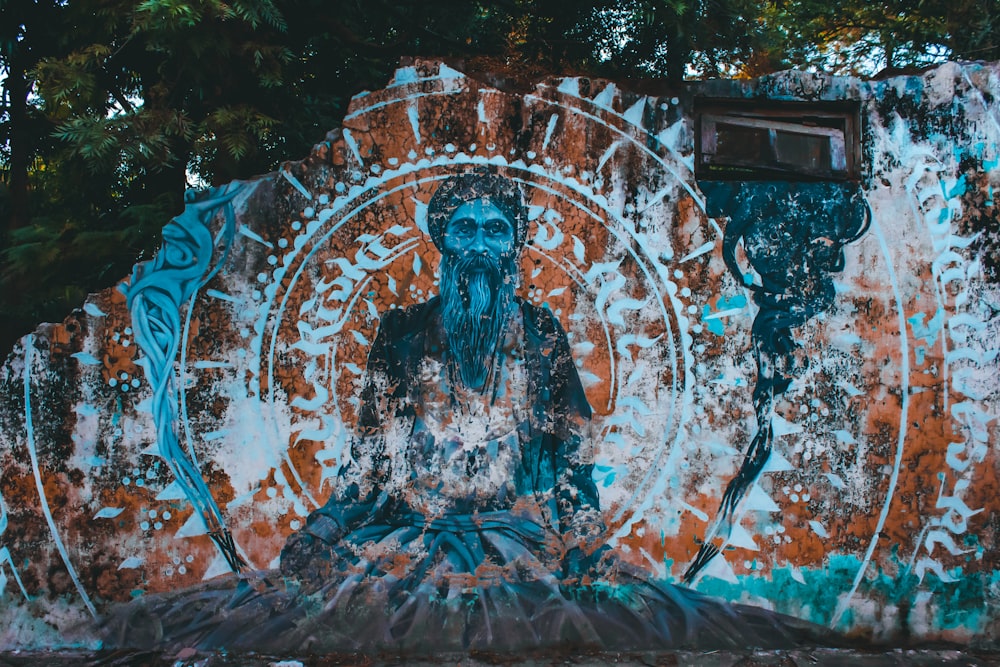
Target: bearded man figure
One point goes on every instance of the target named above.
(470, 457)
(467, 517)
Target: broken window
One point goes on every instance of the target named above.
(737, 140)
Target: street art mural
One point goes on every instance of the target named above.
(492, 369)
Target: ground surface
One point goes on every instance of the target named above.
(793, 658)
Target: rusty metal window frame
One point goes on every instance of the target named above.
(837, 122)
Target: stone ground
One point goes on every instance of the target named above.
(792, 658)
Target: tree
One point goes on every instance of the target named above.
(112, 107)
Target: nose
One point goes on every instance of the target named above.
(478, 244)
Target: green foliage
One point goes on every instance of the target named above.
(111, 106)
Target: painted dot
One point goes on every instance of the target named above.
(806, 497)
(116, 337)
(309, 212)
(182, 570)
(450, 148)
(699, 348)
(814, 417)
(394, 161)
(794, 497)
(256, 294)
(428, 151)
(674, 101)
(166, 516)
(189, 558)
(272, 492)
(126, 343)
(686, 291)
(128, 331)
(152, 514)
(412, 155)
(692, 309)
(169, 571)
(825, 412)
(678, 273)
(323, 199)
(140, 482)
(786, 490)
(295, 524)
(150, 474)
(282, 243)
(472, 148)
(126, 480)
(547, 160)
(697, 329)
(135, 382)
(780, 529)
(124, 387)
(376, 169)
(144, 525)
(493, 147)
(272, 260)
(797, 487)
(803, 408)
(532, 155)
(262, 277)
(157, 525)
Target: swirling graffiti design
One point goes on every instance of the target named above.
(793, 235)
(157, 292)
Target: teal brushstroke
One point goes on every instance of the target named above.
(717, 326)
(929, 332)
(958, 605)
(960, 188)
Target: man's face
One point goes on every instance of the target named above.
(479, 228)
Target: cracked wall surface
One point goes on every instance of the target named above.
(191, 418)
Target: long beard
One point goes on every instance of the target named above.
(477, 294)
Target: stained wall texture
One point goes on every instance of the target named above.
(793, 384)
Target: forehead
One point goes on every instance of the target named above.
(479, 209)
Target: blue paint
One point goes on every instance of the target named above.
(158, 292)
(792, 235)
(959, 189)
(928, 332)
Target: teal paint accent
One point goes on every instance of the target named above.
(717, 326)
(959, 605)
(919, 353)
(961, 186)
(929, 332)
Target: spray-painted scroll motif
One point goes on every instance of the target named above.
(493, 370)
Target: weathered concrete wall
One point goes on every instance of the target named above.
(216, 391)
